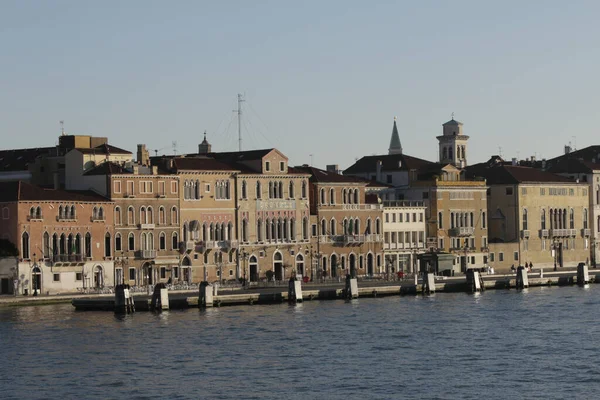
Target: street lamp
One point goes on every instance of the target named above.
(35, 276)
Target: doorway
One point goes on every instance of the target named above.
(278, 266)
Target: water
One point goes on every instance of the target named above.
(538, 343)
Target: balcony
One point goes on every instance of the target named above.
(354, 239)
(362, 206)
(374, 238)
(188, 246)
(560, 232)
(586, 232)
(462, 231)
(543, 233)
(221, 244)
(97, 218)
(147, 254)
(67, 257)
(572, 232)
(525, 234)
(146, 226)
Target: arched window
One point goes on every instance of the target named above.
(117, 215)
(25, 245)
(524, 222)
(32, 213)
(101, 213)
(130, 216)
(38, 212)
(356, 196)
(150, 216)
(444, 153)
(118, 242)
(304, 194)
(571, 219)
(73, 214)
(471, 220)
(280, 190)
(323, 226)
(356, 226)
(292, 229)
(162, 241)
(95, 213)
(258, 190)
(107, 242)
(46, 245)
(305, 228)
(245, 230)
(440, 220)
(244, 190)
(268, 229)
(88, 245)
(378, 226)
(585, 218)
(332, 226)
(197, 190)
(323, 200)
(368, 229)
(175, 241)
(259, 233)
(174, 216)
(543, 219)
(344, 196)
(292, 193)
(131, 242)
(450, 153)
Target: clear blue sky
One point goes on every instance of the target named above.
(323, 78)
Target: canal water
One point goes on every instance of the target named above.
(537, 343)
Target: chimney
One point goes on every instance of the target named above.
(543, 163)
(335, 168)
(143, 156)
(515, 161)
(567, 149)
(154, 170)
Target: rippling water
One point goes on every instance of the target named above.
(538, 343)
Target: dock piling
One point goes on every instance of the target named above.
(583, 276)
(205, 295)
(522, 278)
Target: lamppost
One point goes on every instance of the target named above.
(121, 262)
(554, 251)
(245, 266)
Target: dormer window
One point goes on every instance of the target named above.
(281, 166)
(267, 166)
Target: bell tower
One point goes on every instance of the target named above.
(453, 144)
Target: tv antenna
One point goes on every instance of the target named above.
(239, 113)
(62, 128)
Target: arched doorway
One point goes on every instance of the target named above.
(147, 273)
(278, 266)
(186, 266)
(300, 265)
(36, 280)
(370, 264)
(352, 261)
(253, 265)
(98, 277)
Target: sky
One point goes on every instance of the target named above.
(322, 80)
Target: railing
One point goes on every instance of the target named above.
(67, 257)
(98, 218)
(573, 232)
(146, 226)
(351, 239)
(403, 203)
(374, 238)
(560, 232)
(544, 233)
(362, 206)
(525, 233)
(221, 244)
(66, 218)
(461, 231)
(188, 246)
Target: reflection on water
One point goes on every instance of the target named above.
(538, 342)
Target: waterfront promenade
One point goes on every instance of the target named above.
(274, 293)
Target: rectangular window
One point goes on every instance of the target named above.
(484, 242)
(492, 257)
(173, 187)
(516, 256)
(543, 244)
(394, 217)
(414, 217)
(207, 188)
(163, 272)
(267, 166)
(472, 259)
(441, 243)
(281, 166)
(509, 191)
(132, 274)
(420, 217)
(387, 217)
(314, 230)
(56, 277)
(393, 237)
(176, 272)
(146, 187)
(407, 217)
(161, 188)
(117, 188)
(78, 276)
(386, 237)
(524, 191)
(400, 217)
(500, 256)
(130, 188)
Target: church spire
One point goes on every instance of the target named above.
(395, 145)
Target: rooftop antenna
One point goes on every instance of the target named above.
(174, 144)
(574, 142)
(62, 128)
(452, 115)
(239, 113)
(500, 151)
(311, 160)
